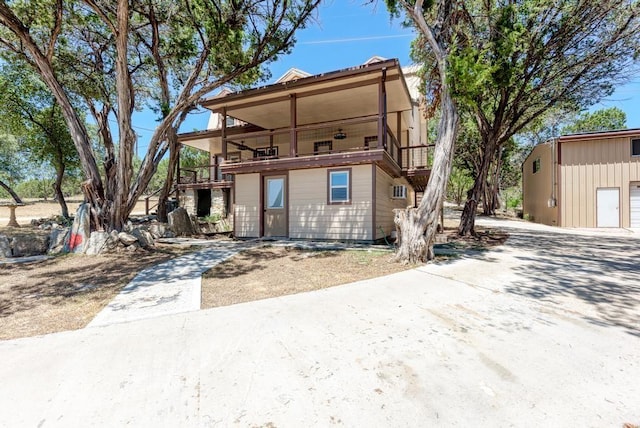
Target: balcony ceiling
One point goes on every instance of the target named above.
(332, 96)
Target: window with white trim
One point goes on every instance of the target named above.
(399, 192)
(339, 186)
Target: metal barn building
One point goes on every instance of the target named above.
(584, 180)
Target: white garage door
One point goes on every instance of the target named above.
(608, 200)
(635, 204)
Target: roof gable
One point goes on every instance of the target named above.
(292, 74)
(374, 59)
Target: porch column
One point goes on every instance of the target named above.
(214, 176)
(223, 134)
(293, 147)
(399, 137)
(178, 174)
(382, 111)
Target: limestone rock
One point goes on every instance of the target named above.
(29, 245)
(127, 239)
(97, 243)
(144, 238)
(80, 230)
(223, 226)
(5, 247)
(180, 222)
(195, 224)
(157, 230)
(132, 248)
(206, 227)
(57, 238)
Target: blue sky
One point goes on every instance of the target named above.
(347, 33)
(626, 98)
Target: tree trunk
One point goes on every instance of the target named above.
(491, 200)
(57, 189)
(174, 156)
(125, 102)
(417, 226)
(93, 185)
(414, 247)
(475, 194)
(13, 194)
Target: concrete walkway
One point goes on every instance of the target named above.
(542, 331)
(167, 288)
(175, 286)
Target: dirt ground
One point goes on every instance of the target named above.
(267, 272)
(277, 271)
(66, 292)
(37, 208)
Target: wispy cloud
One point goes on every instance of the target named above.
(355, 39)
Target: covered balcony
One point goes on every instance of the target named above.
(362, 115)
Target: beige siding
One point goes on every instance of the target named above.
(385, 204)
(589, 165)
(311, 218)
(247, 206)
(537, 188)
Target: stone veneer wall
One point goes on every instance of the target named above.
(189, 201)
(217, 202)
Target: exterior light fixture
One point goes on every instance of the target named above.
(340, 135)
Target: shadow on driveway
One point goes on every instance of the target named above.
(603, 272)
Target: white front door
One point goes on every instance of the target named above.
(634, 196)
(608, 207)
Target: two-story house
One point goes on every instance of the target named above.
(327, 156)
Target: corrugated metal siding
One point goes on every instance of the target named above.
(592, 164)
(311, 218)
(247, 205)
(537, 188)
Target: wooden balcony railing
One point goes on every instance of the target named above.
(202, 174)
(240, 145)
(313, 145)
(417, 157)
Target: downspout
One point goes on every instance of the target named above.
(558, 154)
(553, 200)
(384, 114)
(382, 111)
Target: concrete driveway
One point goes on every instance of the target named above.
(544, 331)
